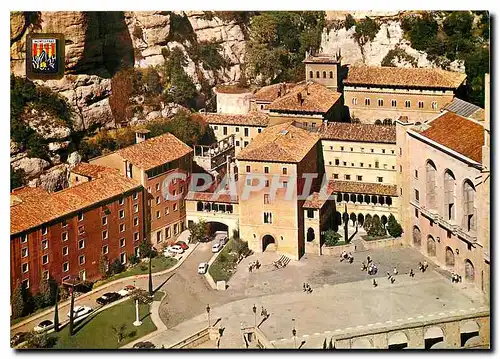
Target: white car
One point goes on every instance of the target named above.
(80, 311)
(202, 267)
(126, 290)
(216, 247)
(177, 249)
(43, 326)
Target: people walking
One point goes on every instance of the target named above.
(412, 274)
(395, 271)
(374, 283)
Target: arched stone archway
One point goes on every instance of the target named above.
(417, 237)
(360, 198)
(432, 336)
(199, 206)
(469, 271)
(338, 218)
(266, 241)
(352, 217)
(310, 235)
(361, 219)
(388, 200)
(431, 246)
(469, 333)
(449, 257)
(397, 340)
(352, 197)
(383, 219)
(346, 197)
(361, 343)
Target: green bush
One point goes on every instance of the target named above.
(331, 238)
(116, 267)
(377, 229)
(366, 30)
(133, 259)
(17, 178)
(393, 227)
(398, 54)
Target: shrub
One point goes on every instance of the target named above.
(398, 54)
(377, 229)
(133, 259)
(331, 238)
(349, 22)
(366, 30)
(116, 267)
(17, 178)
(393, 227)
(85, 286)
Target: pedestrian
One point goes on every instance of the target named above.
(388, 275)
(411, 273)
(425, 265)
(393, 280)
(374, 283)
(363, 266)
(304, 287)
(262, 312)
(395, 271)
(368, 259)
(420, 267)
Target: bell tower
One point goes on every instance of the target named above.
(324, 69)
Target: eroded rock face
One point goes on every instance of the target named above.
(46, 125)
(73, 159)
(54, 179)
(32, 167)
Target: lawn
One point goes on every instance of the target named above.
(96, 332)
(225, 264)
(159, 264)
(376, 238)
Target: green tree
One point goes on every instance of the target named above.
(146, 249)
(180, 88)
(44, 297)
(39, 341)
(421, 30)
(17, 178)
(116, 266)
(349, 21)
(366, 30)
(17, 302)
(393, 227)
(367, 224)
(198, 231)
(377, 229)
(331, 237)
(152, 81)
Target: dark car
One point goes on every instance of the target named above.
(144, 345)
(107, 298)
(183, 245)
(18, 338)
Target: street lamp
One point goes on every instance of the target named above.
(254, 309)
(294, 333)
(208, 314)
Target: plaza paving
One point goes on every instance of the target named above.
(343, 298)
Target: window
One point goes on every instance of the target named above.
(237, 143)
(64, 236)
(285, 184)
(362, 149)
(104, 249)
(26, 283)
(224, 130)
(417, 195)
(468, 206)
(376, 164)
(237, 129)
(167, 210)
(331, 74)
(420, 104)
(81, 230)
(65, 251)
(434, 105)
(104, 234)
(416, 212)
(371, 150)
(337, 162)
(367, 102)
(317, 74)
(158, 200)
(354, 100)
(136, 236)
(123, 258)
(136, 221)
(104, 221)
(383, 150)
(394, 103)
(407, 103)
(268, 217)
(285, 170)
(81, 259)
(44, 230)
(216, 128)
(430, 188)
(392, 151)
(360, 178)
(380, 102)
(81, 244)
(24, 252)
(341, 148)
(65, 266)
(45, 259)
(335, 176)
(449, 195)
(310, 213)
(157, 187)
(361, 164)
(24, 238)
(80, 216)
(167, 232)
(25, 267)
(352, 164)
(158, 214)
(175, 206)
(135, 196)
(136, 208)
(352, 149)
(347, 177)
(266, 199)
(122, 242)
(266, 183)
(385, 166)
(266, 169)
(249, 181)
(45, 244)
(311, 74)
(416, 173)
(122, 213)
(176, 228)
(380, 179)
(245, 131)
(324, 74)
(122, 227)
(344, 163)
(259, 130)
(247, 169)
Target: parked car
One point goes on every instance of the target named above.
(176, 249)
(80, 311)
(183, 245)
(216, 247)
(18, 338)
(205, 239)
(107, 298)
(202, 267)
(43, 326)
(144, 345)
(126, 290)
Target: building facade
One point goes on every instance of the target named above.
(77, 231)
(152, 162)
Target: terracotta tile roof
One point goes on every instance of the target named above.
(253, 118)
(90, 170)
(363, 188)
(283, 142)
(357, 132)
(270, 93)
(235, 89)
(400, 76)
(315, 98)
(315, 200)
(155, 151)
(211, 197)
(457, 133)
(35, 206)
